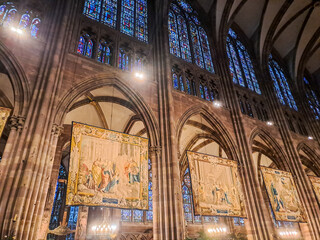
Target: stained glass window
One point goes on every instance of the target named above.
(175, 81)
(313, 99)
(281, 85)
(181, 18)
(24, 21)
(188, 86)
(2, 11)
(104, 53)
(181, 84)
(10, 16)
(92, 9)
(85, 46)
(240, 64)
(124, 60)
(141, 20)
(139, 215)
(201, 91)
(206, 92)
(109, 12)
(89, 49)
(127, 17)
(35, 26)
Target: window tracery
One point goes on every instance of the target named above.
(133, 15)
(240, 63)
(281, 85)
(313, 99)
(187, 39)
(26, 21)
(105, 51)
(85, 45)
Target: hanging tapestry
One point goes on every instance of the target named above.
(315, 181)
(4, 114)
(283, 195)
(107, 168)
(215, 185)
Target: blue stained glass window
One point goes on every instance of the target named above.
(24, 21)
(240, 64)
(281, 85)
(206, 92)
(139, 64)
(2, 11)
(81, 45)
(104, 53)
(184, 39)
(173, 35)
(141, 20)
(109, 12)
(206, 50)
(35, 26)
(194, 88)
(197, 53)
(181, 83)
(10, 16)
(89, 49)
(313, 99)
(127, 17)
(92, 9)
(201, 91)
(186, 6)
(188, 86)
(138, 216)
(175, 81)
(126, 215)
(124, 60)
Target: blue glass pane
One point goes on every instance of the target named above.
(244, 67)
(127, 17)
(236, 64)
(173, 35)
(73, 217)
(188, 86)
(92, 9)
(24, 21)
(126, 215)
(10, 17)
(34, 28)
(194, 88)
(231, 66)
(181, 84)
(186, 6)
(141, 20)
(184, 40)
(175, 81)
(109, 12)
(232, 33)
(195, 19)
(89, 49)
(2, 11)
(206, 92)
(197, 53)
(201, 91)
(252, 73)
(124, 61)
(81, 45)
(276, 86)
(137, 215)
(206, 50)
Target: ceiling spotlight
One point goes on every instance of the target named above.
(269, 123)
(217, 104)
(310, 138)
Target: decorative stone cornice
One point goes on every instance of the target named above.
(56, 130)
(155, 149)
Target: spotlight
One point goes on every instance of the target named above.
(139, 75)
(16, 30)
(217, 104)
(310, 138)
(269, 123)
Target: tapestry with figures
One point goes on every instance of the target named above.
(4, 114)
(283, 195)
(107, 168)
(315, 181)
(215, 185)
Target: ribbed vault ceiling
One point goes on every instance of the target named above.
(292, 27)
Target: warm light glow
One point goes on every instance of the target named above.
(310, 138)
(105, 229)
(217, 230)
(288, 234)
(139, 75)
(217, 104)
(269, 123)
(17, 30)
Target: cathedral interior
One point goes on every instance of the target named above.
(236, 79)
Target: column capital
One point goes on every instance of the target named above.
(155, 149)
(56, 130)
(17, 122)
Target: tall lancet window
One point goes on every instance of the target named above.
(133, 15)
(280, 84)
(187, 39)
(240, 64)
(313, 99)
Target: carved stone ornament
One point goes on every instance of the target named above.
(61, 231)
